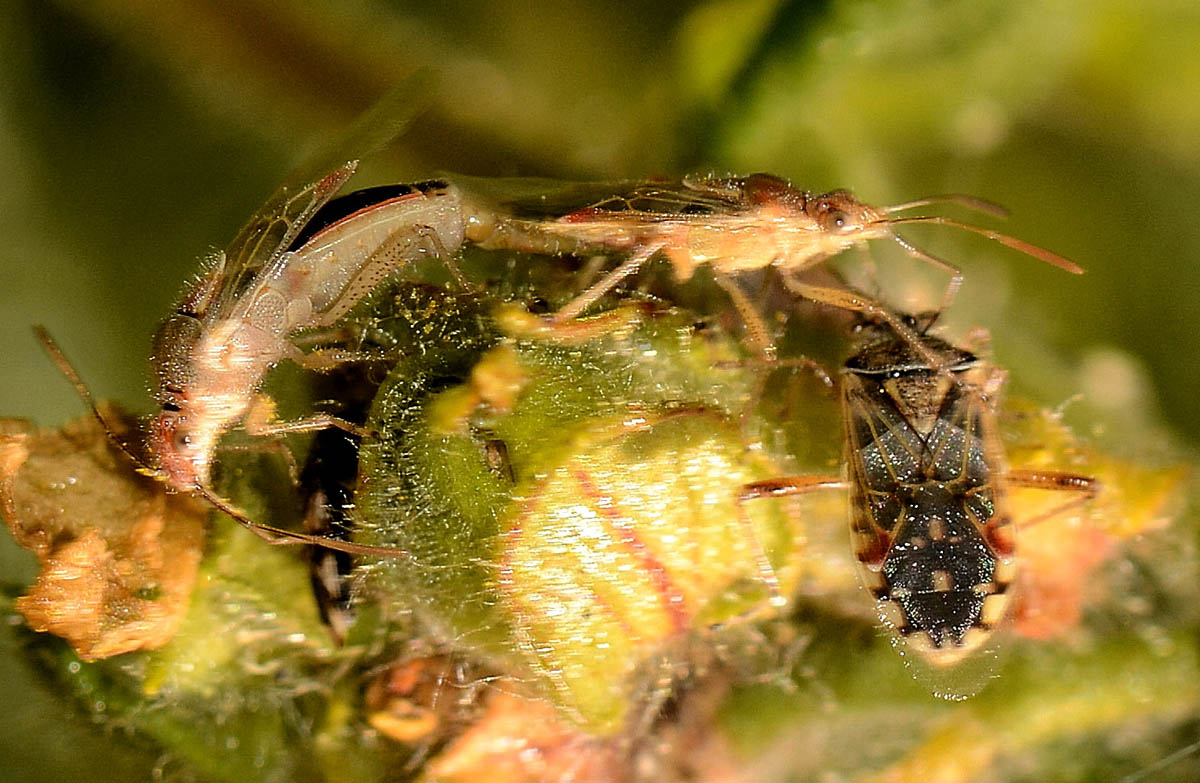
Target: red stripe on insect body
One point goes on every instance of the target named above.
(377, 208)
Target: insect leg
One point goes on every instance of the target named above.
(515, 321)
(329, 349)
(329, 359)
(261, 426)
(586, 299)
(260, 422)
(1087, 487)
(768, 366)
(849, 300)
(759, 336)
(279, 537)
(805, 363)
(314, 338)
(439, 250)
(592, 269)
(270, 446)
(403, 246)
(785, 486)
(811, 366)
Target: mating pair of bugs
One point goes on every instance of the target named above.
(930, 522)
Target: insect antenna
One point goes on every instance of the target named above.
(962, 199)
(1019, 245)
(277, 536)
(272, 535)
(68, 370)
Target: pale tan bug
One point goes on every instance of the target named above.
(281, 275)
(733, 225)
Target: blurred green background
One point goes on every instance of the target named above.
(137, 136)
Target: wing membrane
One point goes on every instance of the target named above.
(633, 201)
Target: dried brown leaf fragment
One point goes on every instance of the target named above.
(118, 554)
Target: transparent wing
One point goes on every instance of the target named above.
(666, 201)
(634, 201)
(271, 230)
(269, 233)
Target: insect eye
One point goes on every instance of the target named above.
(837, 220)
(831, 217)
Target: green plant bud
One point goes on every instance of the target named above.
(582, 514)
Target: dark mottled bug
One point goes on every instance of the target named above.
(928, 481)
(327, 486)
